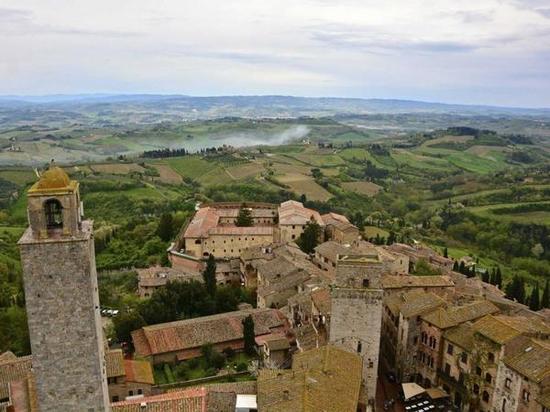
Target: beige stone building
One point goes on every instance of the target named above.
(127, 378)
(339, 229)
(401, 329)
(150, 279)
(293, 217)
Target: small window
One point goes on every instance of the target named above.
(464, 357)
(476, 389)
(447, 369)
(450, 349)
(478, 371)
(140, 391)
(359, 347)
(54, 213)
(130, 393)
(485, 396)
(115, 398)
(526, 395)
(488, 378)
(365, 283)
(491, 357)
(508, 383)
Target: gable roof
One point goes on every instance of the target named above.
(139, 371)
(325, 379)
(461, 335)
(444, 318)
(413, 303)
(501, 329)
(114, 363)
(532, 360)
(411, 281)
(192, 333)
(292, 212)
(190, 400)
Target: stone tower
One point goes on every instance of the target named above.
(356, 316)
(58, 258)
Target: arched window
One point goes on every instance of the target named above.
(485, 396)
(54, 213)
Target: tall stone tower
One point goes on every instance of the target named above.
(57, 253)
(356, 315)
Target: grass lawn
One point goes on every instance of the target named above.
(190, 166)
(364, 188)
(372, 231)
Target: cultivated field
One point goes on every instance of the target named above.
(364, 188)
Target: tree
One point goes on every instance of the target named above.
(462, 267)
(165, 229)
(209, 275)
(455, 266)
(492, 278)
(446, 252)
(309, 238)
(545, 302)
(249, 336)
(391, 238)
(485, 276)
(534, 300)
(125, 323)
(515, 290)
(244, 217)
(303, 198)
(498, 278)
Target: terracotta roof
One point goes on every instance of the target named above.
(205, 219)
(278, 267)
(240, 388)
(332, 217)
(294, 213)
(139, 371)
(413, 303)
(461, 335)
(291, 280)
(332, 249)
(277, 343)
(544, 399)
(325, 379)
(193, 333)
(15, 369)
(321, 300)
(114, 363)
(190, 400)
(532, 360)
(398, 282)
(501, 329)
(444, 318)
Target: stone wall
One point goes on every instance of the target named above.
(355, 325)
(64, 322)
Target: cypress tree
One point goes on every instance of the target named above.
(209, 275)
(165, 228)
(462, 267)
(534, 300)
(485, 276)
(455, 266)
(446, 252)
(545, 302)
(249, 336)
(492, 279)
(498, 278)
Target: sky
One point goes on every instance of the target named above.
(494, 52)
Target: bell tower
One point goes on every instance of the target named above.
(58, 258)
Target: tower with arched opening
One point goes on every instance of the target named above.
(58, 258)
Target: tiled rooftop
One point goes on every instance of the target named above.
(444, 318)
(398, 282)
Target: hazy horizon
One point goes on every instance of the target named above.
(494, 52)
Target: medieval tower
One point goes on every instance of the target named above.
(356, 317)
(57, 254)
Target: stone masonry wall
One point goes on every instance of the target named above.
(64, 322)
(355, 325)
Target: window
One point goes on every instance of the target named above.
(115, 398)
(478, 371)
(464, 357)
(485, 396)
(491, 357)
(54, 214)
(140, 391)
(447, 369)
(365, 283)
(488, 378)
(526, 395)
(508, 383)
(130, 393)
(504, 405)
(415, 340)
(476, 389)
(450, 349)
(359, 347)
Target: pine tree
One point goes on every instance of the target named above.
(545, 302)
(209, 275)
(165, 229)
(249, 336)
(446, 252)
(534, 300)
(244, 217)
